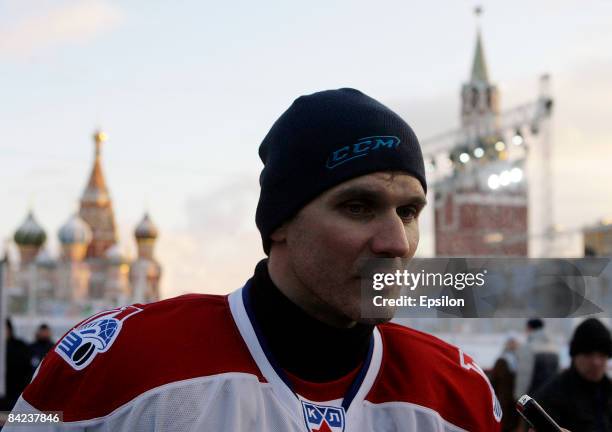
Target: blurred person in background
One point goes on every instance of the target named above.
(503, 377)
(537, 360)
(41, 345)
(580, 398)
(18, 368)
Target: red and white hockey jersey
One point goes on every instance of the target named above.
(197, 363)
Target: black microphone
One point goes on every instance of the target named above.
(535, 415)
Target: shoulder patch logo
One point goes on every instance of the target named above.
(323, 418)
(94, 335)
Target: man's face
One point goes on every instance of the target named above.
(373, 216)
(591, 366)
(43, 334)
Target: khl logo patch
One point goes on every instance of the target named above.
(322, 418)
(95, 335)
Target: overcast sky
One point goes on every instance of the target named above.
(186, 90)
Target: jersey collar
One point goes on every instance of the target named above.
(239, 302)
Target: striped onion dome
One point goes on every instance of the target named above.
(146, 229)
(44, 259)
(75, 231)
(30, 233)
(114, 256)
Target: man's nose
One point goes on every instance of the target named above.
(390, 239)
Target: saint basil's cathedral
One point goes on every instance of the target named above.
(89, 273)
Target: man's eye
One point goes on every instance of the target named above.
(407, 212)
(356, 209)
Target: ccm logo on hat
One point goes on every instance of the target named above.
(363, 147)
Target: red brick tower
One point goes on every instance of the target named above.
(481, 208)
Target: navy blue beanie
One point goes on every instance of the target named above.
(322, 140)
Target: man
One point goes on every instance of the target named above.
(537, 360)
(580, 398)
(42, 344)
(503, 377)
(343, 182)
(18, 369)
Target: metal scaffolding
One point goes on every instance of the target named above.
(534, 118)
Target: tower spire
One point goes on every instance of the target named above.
(96, 206)
(99, 138)
(479, 96)
(479, 65)
(96, 190)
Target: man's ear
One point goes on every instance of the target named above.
(279, 235)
